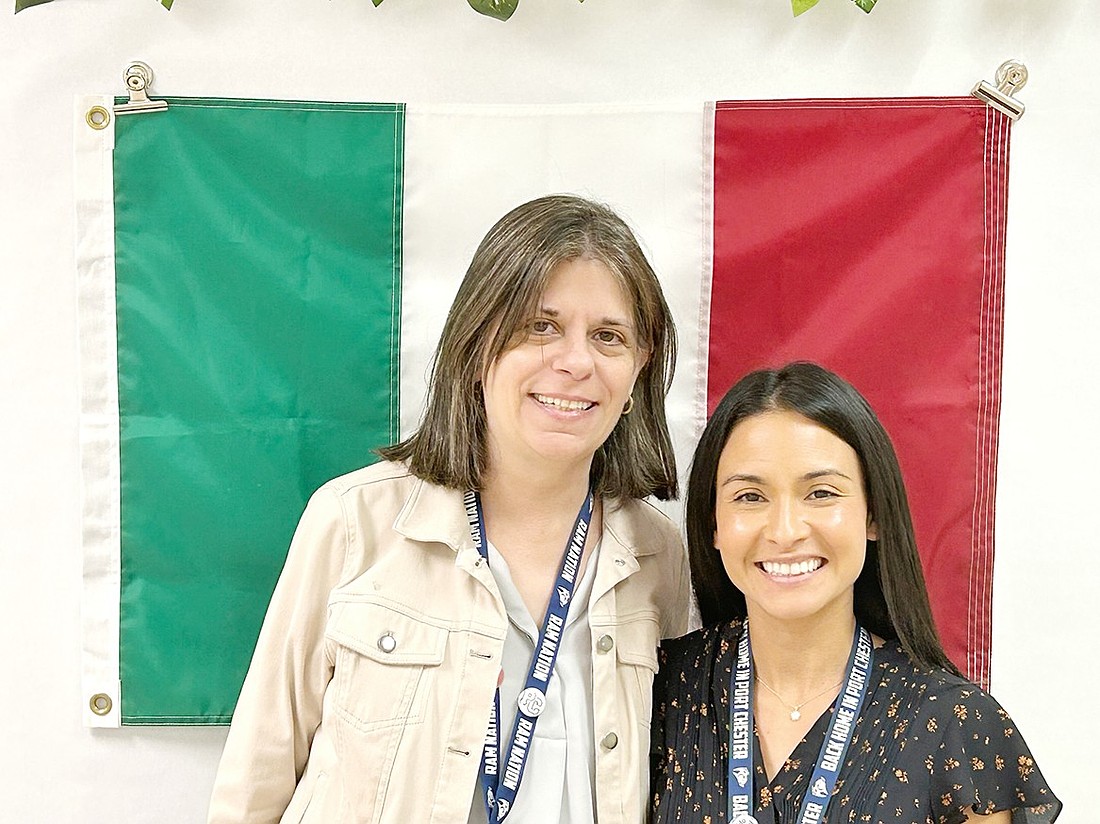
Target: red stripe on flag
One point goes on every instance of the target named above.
(868, 235)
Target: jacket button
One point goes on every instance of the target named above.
(610, 741)
(387, 643)
(605, 643)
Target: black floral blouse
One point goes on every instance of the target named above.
(927, 745)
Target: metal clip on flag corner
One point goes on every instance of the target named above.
(139, 77)
(1011, 77)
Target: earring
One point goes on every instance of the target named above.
(628, 407)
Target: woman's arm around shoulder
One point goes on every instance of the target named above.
(279, 708)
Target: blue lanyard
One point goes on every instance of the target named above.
(739, 781)
(501, 789)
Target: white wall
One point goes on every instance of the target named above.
(552, 51)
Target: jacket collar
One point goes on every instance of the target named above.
(434, 514)
(621, 522)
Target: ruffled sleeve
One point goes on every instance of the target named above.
(982, 762)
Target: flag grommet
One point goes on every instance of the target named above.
(100, 703)
(98, 118)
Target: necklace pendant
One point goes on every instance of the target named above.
(795, 715)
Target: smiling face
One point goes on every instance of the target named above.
(791, 517)
(555, 395)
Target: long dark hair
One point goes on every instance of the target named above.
(891, 599)
(496, 298)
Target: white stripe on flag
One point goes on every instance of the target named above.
(99, 446)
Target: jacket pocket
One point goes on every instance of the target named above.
(385, 661)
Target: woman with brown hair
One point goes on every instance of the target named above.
(467, 631)
(841, 705)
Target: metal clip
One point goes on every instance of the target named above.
(1011, 77)
(139, 77)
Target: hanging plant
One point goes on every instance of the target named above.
(503, 9)
(500, 9)
(799, 6)
(26, 4)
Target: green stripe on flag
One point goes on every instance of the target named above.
(258, 261)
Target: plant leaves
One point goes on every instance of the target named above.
(500, 9)
(799, 6)
(26, 4)
(866, 5)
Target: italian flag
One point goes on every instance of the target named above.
(262, 284)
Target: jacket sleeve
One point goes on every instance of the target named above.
(279, 708)
(675, 614)
(678, 622)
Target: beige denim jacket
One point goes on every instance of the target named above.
(369, 692)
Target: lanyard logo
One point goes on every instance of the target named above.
(532, 701)
(741, 774)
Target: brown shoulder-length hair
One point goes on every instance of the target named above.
(891, 599)
(496, 299)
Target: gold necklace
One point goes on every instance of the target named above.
(795, 708)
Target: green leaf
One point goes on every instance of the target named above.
(866, 5)
(26, 4)
(167, 4)
(799, 6)
(500, 9)
(377, 3)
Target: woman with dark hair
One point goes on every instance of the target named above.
(842, 705)
(467, 631)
